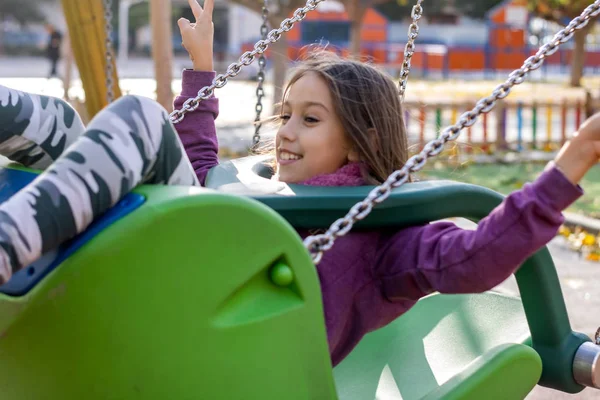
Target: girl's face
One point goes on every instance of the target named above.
(311, 140)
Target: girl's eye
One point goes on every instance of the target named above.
(311, 120)
(284, 117)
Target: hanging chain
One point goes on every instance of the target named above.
(318, 244)
(409, 50)
(262, 62)
(246, 59)
(108, 49)
(597, 338)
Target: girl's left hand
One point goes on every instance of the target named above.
(198, 37)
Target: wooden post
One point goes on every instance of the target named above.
(85, 21)
(162, 51)
(67, 54)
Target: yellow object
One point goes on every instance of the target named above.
(548, 146)
(453, 116)
(564, 231)
(593, 257)
(589, 240)
(85, 21)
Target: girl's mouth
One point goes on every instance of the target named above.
(285, 157)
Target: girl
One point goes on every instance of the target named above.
(341, 124)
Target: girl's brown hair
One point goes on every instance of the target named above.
(367, 102)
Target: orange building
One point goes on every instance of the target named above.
(508, 32)
(332, 28)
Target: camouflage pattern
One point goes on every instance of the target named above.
(35, 130)
(130, 142)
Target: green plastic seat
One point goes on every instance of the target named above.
(176, 300)
(446, 347)
(188, 296)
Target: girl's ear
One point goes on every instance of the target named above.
(374, 138)
(353, 156)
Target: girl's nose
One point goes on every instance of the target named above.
(287, 131)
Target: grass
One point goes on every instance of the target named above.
(506, 178)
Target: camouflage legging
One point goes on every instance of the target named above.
(87, 171)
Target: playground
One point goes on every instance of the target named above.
(235, 309)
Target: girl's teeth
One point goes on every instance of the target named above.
(288, 156)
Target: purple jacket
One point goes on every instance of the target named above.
(368, 279)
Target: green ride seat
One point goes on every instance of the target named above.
(182, 298)
(198, 293)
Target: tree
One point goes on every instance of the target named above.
(278, 11)
(561, 12)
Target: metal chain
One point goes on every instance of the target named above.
(262, 62)
(597, 339)
(108, 15)
(409, 50)
(318, 244)
(245, 59)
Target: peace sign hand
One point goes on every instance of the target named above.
(198, 36)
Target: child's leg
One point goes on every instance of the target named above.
(35, 130)
(130, 142)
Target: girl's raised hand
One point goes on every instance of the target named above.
(198, 36)
(582, 152)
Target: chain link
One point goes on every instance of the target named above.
(409, 50)
(318, 244)
(245, 59)
(108, 15)
(262, 62)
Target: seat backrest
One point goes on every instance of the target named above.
(182, 298)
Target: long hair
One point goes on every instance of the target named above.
(367, 102)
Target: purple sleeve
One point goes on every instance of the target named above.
(197, 130)
(442, 257)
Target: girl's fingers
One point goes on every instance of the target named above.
(208, 8)
(183, 24)
(196, 9)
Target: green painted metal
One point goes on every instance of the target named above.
(438, 121)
